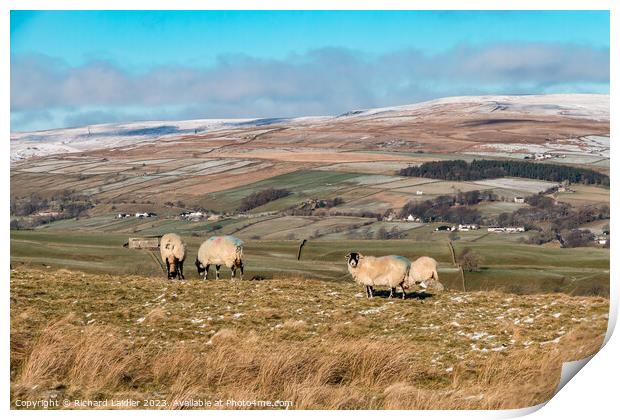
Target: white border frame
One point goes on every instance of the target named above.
(592, 394)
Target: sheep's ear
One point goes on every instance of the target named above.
(360, 256)
(348, 256)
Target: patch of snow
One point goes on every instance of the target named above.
(373, 310)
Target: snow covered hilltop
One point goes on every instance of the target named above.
(109, 136)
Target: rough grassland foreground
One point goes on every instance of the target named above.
(319, 344)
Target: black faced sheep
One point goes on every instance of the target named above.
(390, 271)
(218, 250)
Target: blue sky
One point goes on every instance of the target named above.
(75, 68)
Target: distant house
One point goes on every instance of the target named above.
(564, 189)
(514, 229)
(602, 239)
(542, 156)
(506, 229)
(418, 192)
(465, 228)
(192, 215)
(47, 213)
(519, 200)
(444, 228)
(410, 218)
(496, 229)
(145, 215)
(123, 215)
(390, 216)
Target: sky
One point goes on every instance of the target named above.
(76, 68)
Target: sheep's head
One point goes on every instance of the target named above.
(353, 259)
(238, 263)
(173, 267)
(199, 267)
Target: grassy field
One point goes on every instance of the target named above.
(315, 343)
(507, 265)
(91, 319)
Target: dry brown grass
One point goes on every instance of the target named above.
(314, 343)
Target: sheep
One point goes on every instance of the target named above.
(219, 250)
(173, 251)
(390, 271)
(423, 272)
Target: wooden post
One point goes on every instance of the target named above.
(301, 245)
(452, 252)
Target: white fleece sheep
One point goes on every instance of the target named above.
(173, 251)
(218, 250)
(423, 272)
(390, 271)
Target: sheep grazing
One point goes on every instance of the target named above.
(218, 250)
(390, 271)
(423, 272)
(173, 251)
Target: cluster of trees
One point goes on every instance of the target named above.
(360, 213)
(550, 220)
(33, 210)
(575, 238)
(446, 208)
(314, 207)
(259, 198)
(394, 233)
(559, 216)
(469, 260)
(570, 238)
(547, 219)
(459, 170)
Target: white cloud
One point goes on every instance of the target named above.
(325, 81)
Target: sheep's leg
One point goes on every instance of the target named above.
(233, 271)
(370, 288)
(241, 270)
(402, 286)
(167, 269)
(392, 291)
(206, 273)
(367, 291)
(181, 276)
(217, 272)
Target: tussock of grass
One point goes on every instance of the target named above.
(316, 343)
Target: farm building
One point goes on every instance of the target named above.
(508, 229)
(602, 239)
(146, 242)
(564, 189)
(192, 215)
(519, 200)
(514, 229)
(411, 218)
(445, 228)
(465, 228)
(542, 156)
